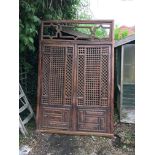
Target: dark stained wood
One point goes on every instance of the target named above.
(112, 78)
(76, 133)
(80, 21)
(75, 82)
(74, 116)
(39, 82)
(48, 41)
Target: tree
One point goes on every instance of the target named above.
(118, 34)
(32, 12)
(30, 15)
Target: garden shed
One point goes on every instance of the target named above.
(76, 79)
(125, 78)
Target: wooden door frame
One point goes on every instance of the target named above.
(76, 42)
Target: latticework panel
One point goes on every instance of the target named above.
(105, 78)
(56, 77)
(69, 72)
(57, 70)
(92, 82)
(75, 87)
(81, 78)
(93, 75)
(46, 62)
(77, 30)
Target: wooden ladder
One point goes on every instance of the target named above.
(24, 105)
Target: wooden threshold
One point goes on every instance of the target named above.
(80, 133)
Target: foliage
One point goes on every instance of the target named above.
(118, 34)
(30, 15)
(100, 33)
(28, 23)
(84, 11)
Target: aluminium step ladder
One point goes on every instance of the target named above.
(25, 105)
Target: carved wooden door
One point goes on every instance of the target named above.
(93, 88)
(57, 87)
(75, 80)
(76, 88)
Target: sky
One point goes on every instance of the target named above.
(122, 11)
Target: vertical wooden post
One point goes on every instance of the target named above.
(121, 84)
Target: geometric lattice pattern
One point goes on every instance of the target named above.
(57, 75)
(75, 77)
(93, 75)
(46, 62)
(92, 87)
(57, 70)
(76, 31)
(105, 72)
(81, 76)
(69, 73)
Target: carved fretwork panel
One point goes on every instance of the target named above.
(75, 77)
(93, 75)
(45, 88)
(77, 31)
(57, 75)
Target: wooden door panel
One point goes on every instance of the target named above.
(80, 103)
(93, 88)
(93, 76)
(57, 87)
(75, 78)
(92, 120)
(57, 75)
(56, 118)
